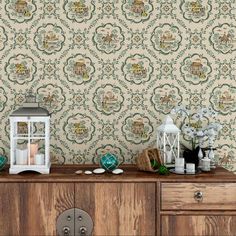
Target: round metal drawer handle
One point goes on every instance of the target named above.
(198, 196)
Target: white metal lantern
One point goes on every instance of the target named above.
(29, 137)
(168, 141)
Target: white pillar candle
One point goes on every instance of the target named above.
(33, 150)
(179, 165)
(190, 168)
(179, 162)
(21, 156)
(206, 164)
(39, 159)
(168, 156)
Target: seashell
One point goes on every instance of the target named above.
(99, 171)
(117, 171)
(78, 172)
(88, 172)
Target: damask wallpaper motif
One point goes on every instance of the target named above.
(109, 71)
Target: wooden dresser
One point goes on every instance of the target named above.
(135, 203)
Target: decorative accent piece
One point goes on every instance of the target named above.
(39, 159)
(146, 160)
(184, 173)
(21, 156)
(29, 135)
(206, 164)
(109, 162)
(117, 171)
(179, 165)
(168, 140)
(190, 168)
(198, 129)
(99, 171)
(78, 172)
(33, 147)
(3, 161)
(163, 170)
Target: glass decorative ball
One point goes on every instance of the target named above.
(109, 162)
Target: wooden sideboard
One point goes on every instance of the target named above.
(134, 203)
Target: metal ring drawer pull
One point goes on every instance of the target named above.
(198, 196)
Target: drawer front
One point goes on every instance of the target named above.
(198, 196)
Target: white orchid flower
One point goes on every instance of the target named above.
(200, 133)
(189, 131)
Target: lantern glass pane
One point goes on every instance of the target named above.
(21, 129)
(172, 144)
(37, 129)
(36, 148)
(20, 151)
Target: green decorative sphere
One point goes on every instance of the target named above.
(3, 161)
(109, 162)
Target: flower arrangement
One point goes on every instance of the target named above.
(197, 127)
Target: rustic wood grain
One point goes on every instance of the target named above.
(119, 208)
(158, 209)
(202, 212)
(198, 225)
(29, 209)
(127, 204)
(216, 196)
(10, 214)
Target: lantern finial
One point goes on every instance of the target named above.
(168, 120)
(30, 100)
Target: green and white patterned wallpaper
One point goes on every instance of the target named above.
(109, 71)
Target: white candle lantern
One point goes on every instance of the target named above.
(29, 137)
(168, 141)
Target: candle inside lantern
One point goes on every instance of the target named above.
(21, 156)
(39, 159)
(190, 168)
(168, 156)
(33, 151)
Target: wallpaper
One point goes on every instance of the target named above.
(109, 71)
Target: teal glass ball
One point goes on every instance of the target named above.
(109, 162)
(3, 161)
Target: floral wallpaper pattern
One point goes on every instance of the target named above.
(109, 71)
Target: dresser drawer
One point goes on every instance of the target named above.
(198, 196)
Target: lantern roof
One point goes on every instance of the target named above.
(30, 108)
(168, 126)
(30, 111)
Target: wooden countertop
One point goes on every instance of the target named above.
(66, 173)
